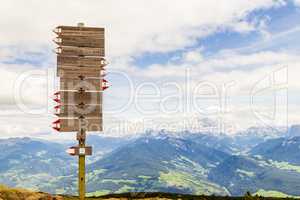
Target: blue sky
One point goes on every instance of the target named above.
(163, 49)
(277, 20)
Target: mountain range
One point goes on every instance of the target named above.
(191, 163)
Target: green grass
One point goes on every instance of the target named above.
(94, 174)
(246, 173)
(98, 193)
(185, 180)
(144, 177)
(119, 181)
(277, 164)
(124, 189)
(7, 193)
(285, 166)
(272, 193)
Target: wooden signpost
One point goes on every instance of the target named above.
(80, 67)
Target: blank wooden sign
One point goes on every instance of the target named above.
(77, 72)
(78, 84)
(92, 32)
(76, 61)
(84, 98)
(80, 51)
(80, 41)
(72, 125)
(71, 111)
(80, 36)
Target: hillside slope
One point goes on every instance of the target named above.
(7, 193)
(163, 162)
(280, 149)
(157, 164)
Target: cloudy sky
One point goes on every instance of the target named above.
(175, 65)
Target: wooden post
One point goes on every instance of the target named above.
(81, 162)
(81, 158)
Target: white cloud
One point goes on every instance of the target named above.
(247, 62)
(297, 2)
(225, 63)
(131, 120)
(265, 69)
(133, 26)
(24, 82)
(193, 56)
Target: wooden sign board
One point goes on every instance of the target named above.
(80, 66)
(71, 111)
(77, 72)
(80, 41)
(77, 84)
(72, 125)
(80, 31)
(76, 61)
(76, 98)
(74, 69)
(80, 51)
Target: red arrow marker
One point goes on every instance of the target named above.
(104, 87)
(56, 128)
(56, 122)
(57, 107)
(105, 84)
(57, 125)
(56, 94)
(57, 100)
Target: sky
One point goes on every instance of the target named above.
(197, 65)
